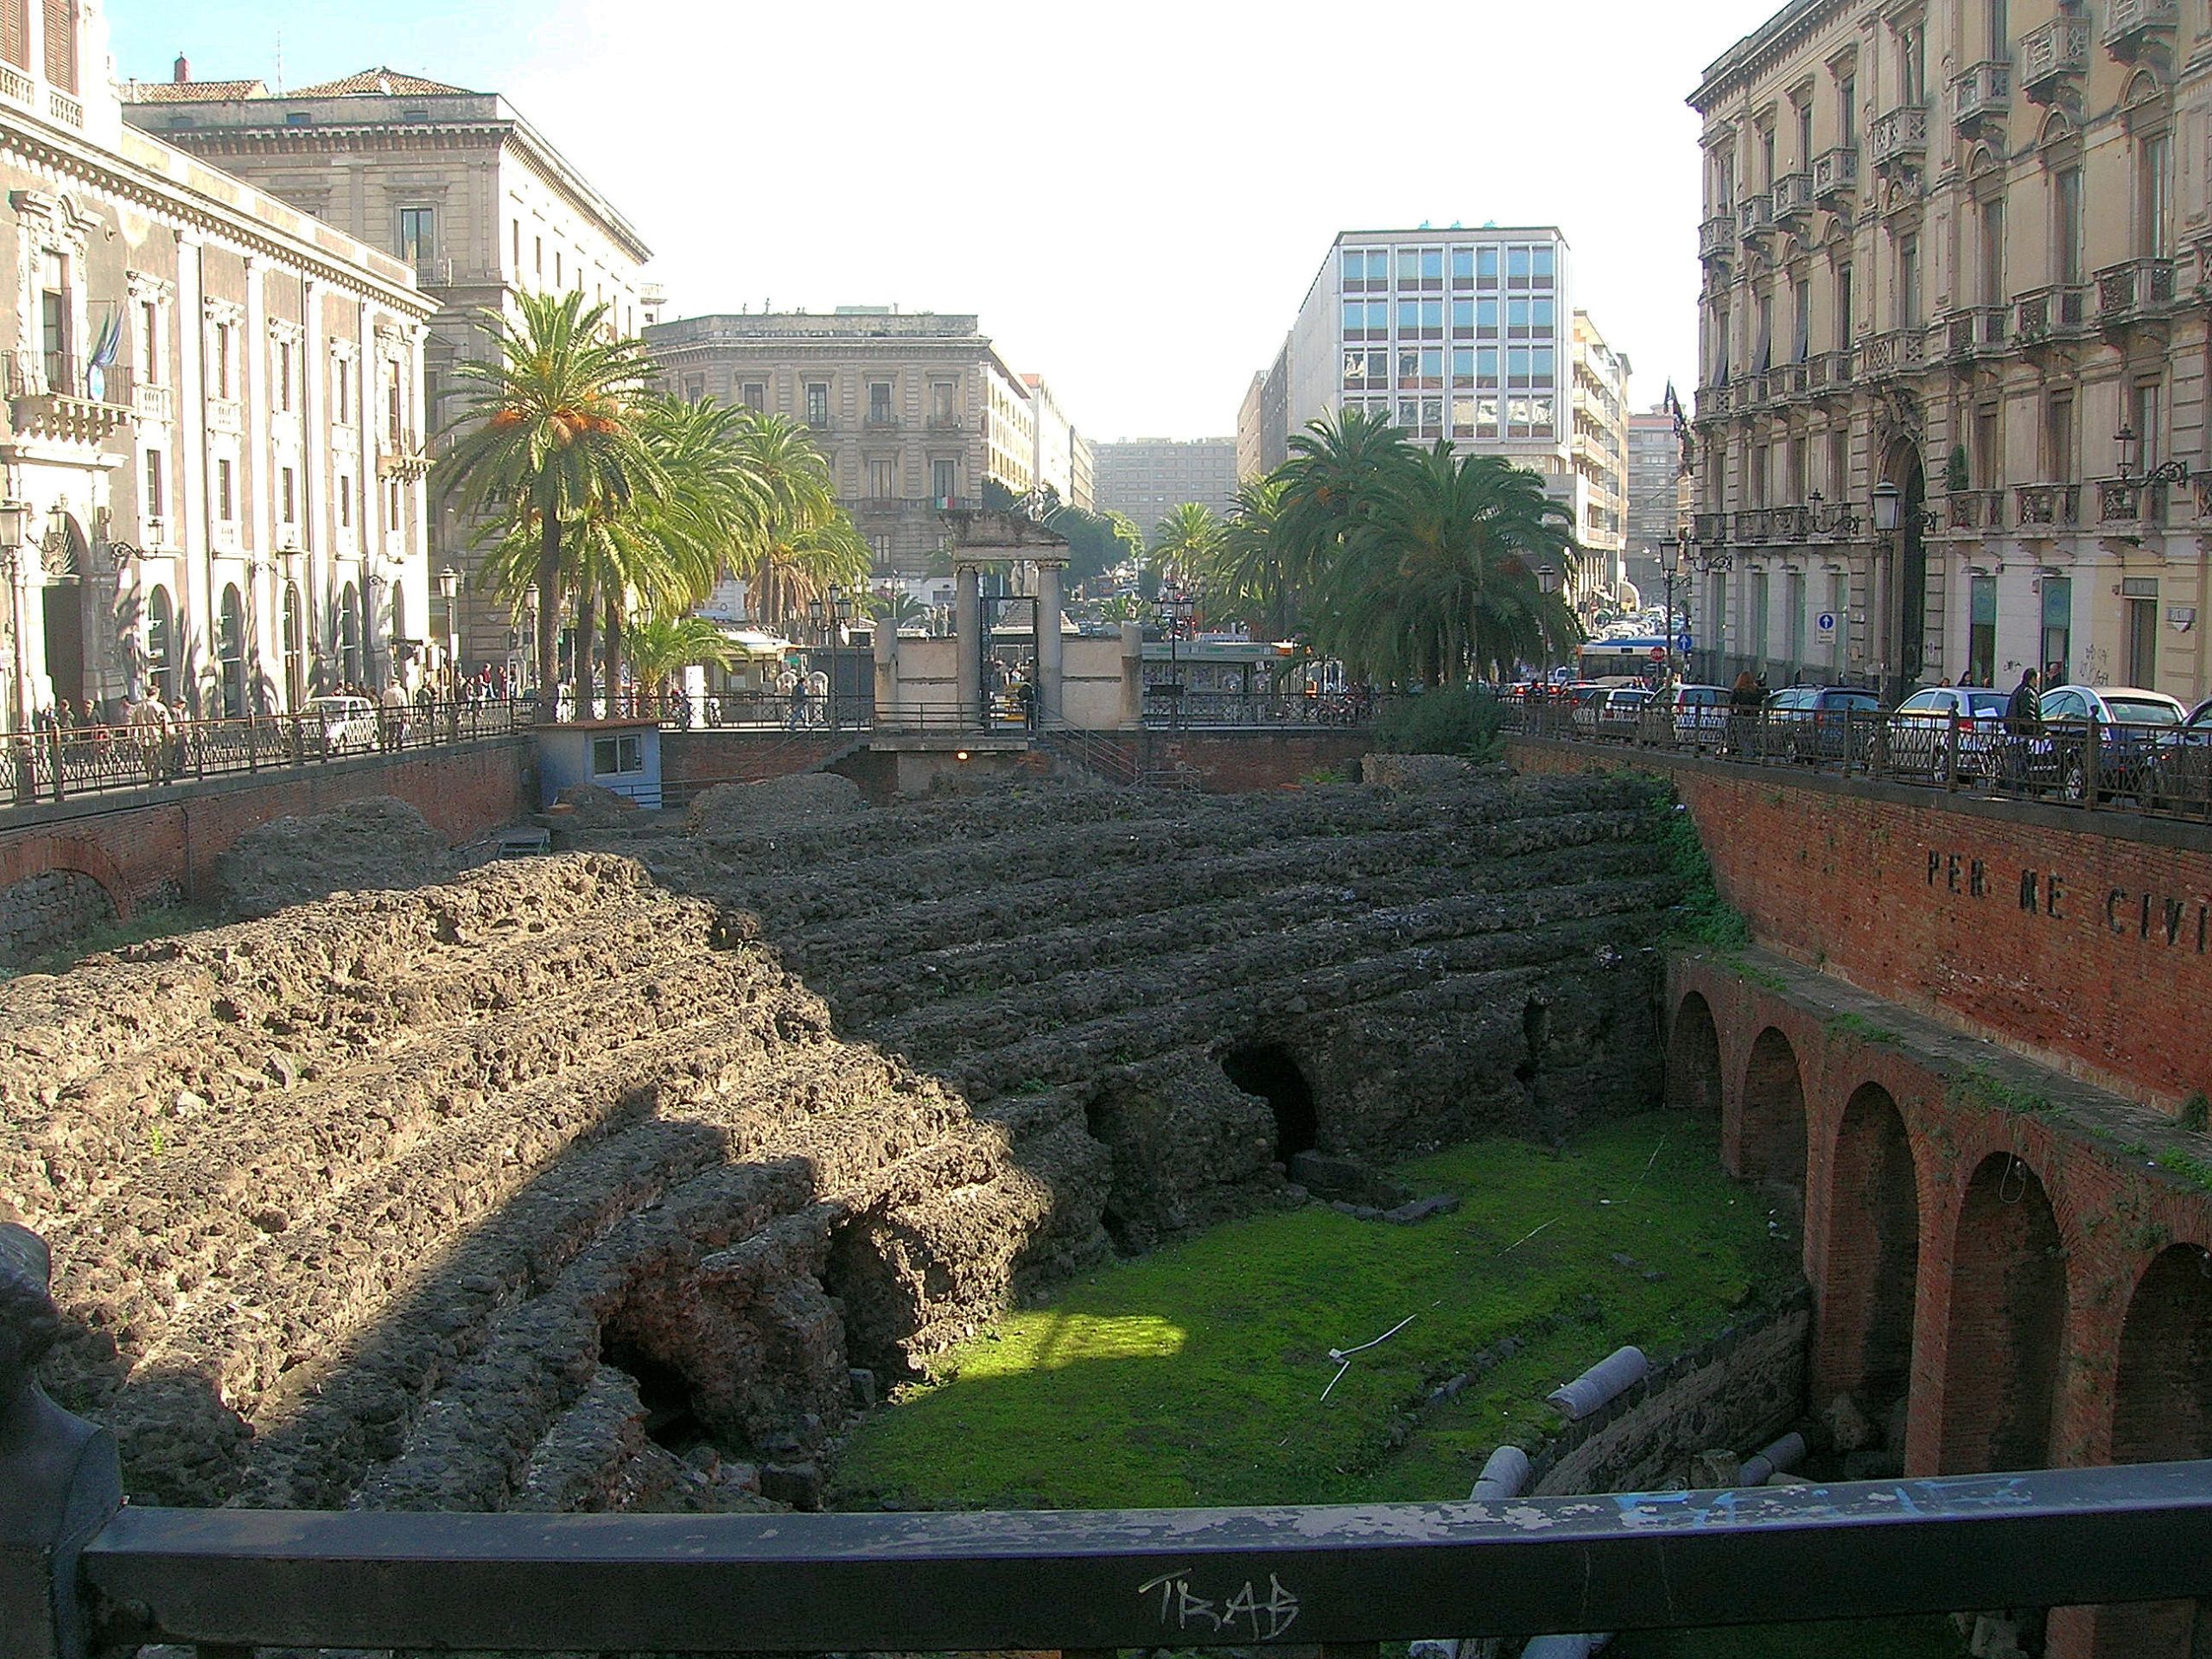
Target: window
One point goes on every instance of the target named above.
(537, 255)
(226, 501)
(1805, 134)
(161, 644)
(944, 478)
(1843, 308)
(1840, 464)
(150, 505)
(882, 477)
(150, 343)
(695, 388)
(1846, 113)
(2141, 595)
(516, 225)
(2153, 165)
(2058, 437)
(754, 395)
(2066, 234)
(344, 501)
(418, 238)
(878, 403)
(287, 496)
(1988, 463)
(1908, 298)
(2057, 628)
(2000, 31)
(2143, 414)
(391, 505)
(1992, 252)
(1763, 354)
(343, 414)
(285, 375)
(556, 268)
(224, 384)
(620, 752)
(1981, 629)
(1766, 157)
(1801, 338)
(944, 411)
(817, 404)
(394, 404)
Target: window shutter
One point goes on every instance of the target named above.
(61, 44)
(15, 32)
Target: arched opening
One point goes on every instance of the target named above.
(230, 652)
(161, 644)
(1868, 1303)
(1693, 1058)
(2162, 1412)
(350, 635)
(1268, 1070)
(671, 1420)
(2008, 1310)
(1772, 1143)
(295, 667)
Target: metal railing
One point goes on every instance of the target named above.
(57, 763)
(2087, 763)
(1169, 706)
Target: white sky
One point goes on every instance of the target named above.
(1133, 197)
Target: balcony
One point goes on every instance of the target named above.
(2052, 55)
(154, 402)
(1790, 524)
(1755, 216)
(2132, 292)
(2131, 25)
(944, 422)
(2043, 315)
(1828, 373)
(1899, 139)
(1793, 197)
(1716, 237)
(52, 395)
(882, 420)
(1980, 95)
(1976, 332)
(1835, 173)
(401, 455)
(1901, 351)
(1708, 528)
(1755, 526)
(2053, 504)
(1974, 510)
(1715, 400)
(2128, 506)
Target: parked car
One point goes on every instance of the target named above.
(2133, 728)
(1814, 723)
(1917, 737)
(2182, 777)
(347, 722)
(1621, 712)
(1582, 699)
(1700, 715)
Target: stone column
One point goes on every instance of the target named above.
(1132, 677)
(1049, 709)
(968, 638)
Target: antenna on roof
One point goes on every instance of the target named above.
(280, 62)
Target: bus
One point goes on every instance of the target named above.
(1638, 655)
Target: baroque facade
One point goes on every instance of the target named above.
(461, 189)
(213, 478)
(1954, 257)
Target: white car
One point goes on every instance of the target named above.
(347, 722)
(1701, 714)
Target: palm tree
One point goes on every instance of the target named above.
(1185, 541)
(1327, 483)
(801, 541)
(1248, 577)
(660, 646)
(894, 611)
(551, 429)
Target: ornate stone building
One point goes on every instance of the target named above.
(458, 186)
(1955, 258)
(210, 454)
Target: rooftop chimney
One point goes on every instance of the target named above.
(182, 74)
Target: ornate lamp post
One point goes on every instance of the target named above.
(15, 519)
(1673, 557)
(1175, 609)
(450, 590)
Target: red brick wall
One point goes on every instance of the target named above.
(1925, 898)
(138, 849)
(691, 761)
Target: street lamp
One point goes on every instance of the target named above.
(2171, 472)
(1175, 609)
(14, 518)
(1674, 559)
(450, 590)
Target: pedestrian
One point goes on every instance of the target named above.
(2023, 723)
(1025, 696)
(1745, 701)
(393, 728)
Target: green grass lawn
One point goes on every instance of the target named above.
(1195, 1375)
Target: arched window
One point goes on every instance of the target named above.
(295, 684)
(161, 645)
(230, 652)
(349, 635)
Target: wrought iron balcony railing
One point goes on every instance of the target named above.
(1974, 510)
(2130, 502)
(2054, 505)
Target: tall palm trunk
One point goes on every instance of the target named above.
(587, 636)
(548, 619)
(614, 648)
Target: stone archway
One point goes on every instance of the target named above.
(1870, 1284)
(1272, 1073)
(1693, 1058)
(1771, 1139)
(2162, 1412)
(2008, 1315)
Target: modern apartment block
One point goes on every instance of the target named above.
(911, 408)
(1149, 478)
(1062, 457)
(211, 430)
(1658, 498)
(458, 186)
(1600, 452)
(1464, 334)
(1955, 254)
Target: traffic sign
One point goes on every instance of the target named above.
(1825, 622)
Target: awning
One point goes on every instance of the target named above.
(754, 642)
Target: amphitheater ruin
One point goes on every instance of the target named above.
(526, 1189)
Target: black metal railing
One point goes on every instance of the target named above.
(1171, 706)
(2089, 763)
(56, 763)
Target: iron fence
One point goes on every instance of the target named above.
(2088, 763)
(1165, 706)
(57, 763)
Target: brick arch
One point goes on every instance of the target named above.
(1870, 1275)
(75, 855)
(1770, 1137)
(1693, 1075)
(2008, 1308)
(2161, 1412)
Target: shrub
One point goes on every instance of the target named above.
(1453, 721)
